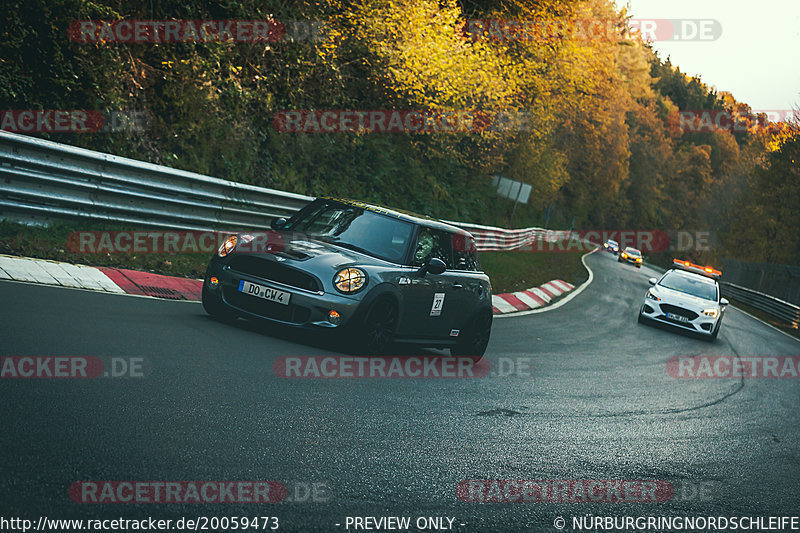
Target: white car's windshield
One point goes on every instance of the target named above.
(699, 287)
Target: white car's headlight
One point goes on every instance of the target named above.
(713, 313)
(651, 296)
(349, 280)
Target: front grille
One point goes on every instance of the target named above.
(674, 309)
(271, 270)
(286, 313)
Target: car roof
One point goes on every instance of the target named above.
(400, 214)
(692, 275)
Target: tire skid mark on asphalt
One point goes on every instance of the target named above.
(733, 390)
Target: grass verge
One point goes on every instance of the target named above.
(51, 243)
(517, 271)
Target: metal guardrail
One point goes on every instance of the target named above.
(42, 180)
(492, 239)
(780, 281)
(784, 311)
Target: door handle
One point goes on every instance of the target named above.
(458, 286)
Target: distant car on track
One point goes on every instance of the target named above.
(687, 297)
(374, 274)
(612, 246)
(631, 255)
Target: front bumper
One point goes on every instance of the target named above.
(306, 309)
(704, 325)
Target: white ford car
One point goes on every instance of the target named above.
(687, 297)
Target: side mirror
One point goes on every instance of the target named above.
(724, 302)
(434, 266)
(278, 223)
(652, 281)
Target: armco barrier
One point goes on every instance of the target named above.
(787, 313)
(779, 281)
(491, 239)
(41, 179)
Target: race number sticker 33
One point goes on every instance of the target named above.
(438, 303)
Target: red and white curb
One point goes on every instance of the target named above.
(124, 281)
(530, 299)
(114, 280)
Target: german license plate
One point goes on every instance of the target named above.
(679, 318)
(267, 293)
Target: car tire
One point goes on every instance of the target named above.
(378, 327)
(476, 338)
(215, 308)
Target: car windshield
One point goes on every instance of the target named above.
(612, 242)
(633, 251)
(699, 287)
(355, 228)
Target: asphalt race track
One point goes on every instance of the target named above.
(579, 392)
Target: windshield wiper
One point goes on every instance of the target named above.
(347, 245)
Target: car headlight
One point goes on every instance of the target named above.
(349, 280)
(713, 313)
(227, 246)
(624, 255)
(651, 296)
(638, 259)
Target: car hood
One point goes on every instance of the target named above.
(687, 301)
(311, 254)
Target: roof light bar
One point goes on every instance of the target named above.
(697, 269)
